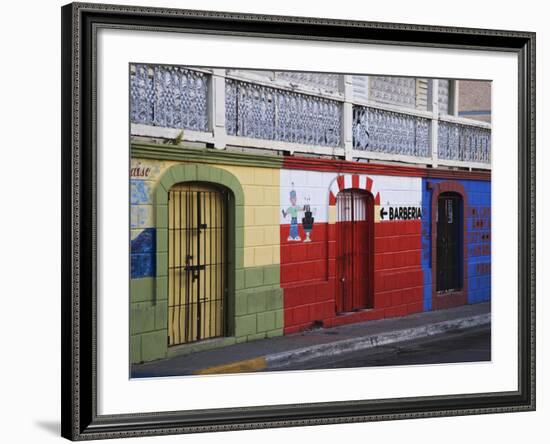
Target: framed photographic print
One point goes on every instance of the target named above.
(276, 221)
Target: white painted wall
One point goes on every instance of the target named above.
(313, 187)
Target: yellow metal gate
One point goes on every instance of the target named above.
(197, 248)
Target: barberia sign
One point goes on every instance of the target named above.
(400, 213)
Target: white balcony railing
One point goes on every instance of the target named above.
(169, 97)
(261, 112)
(320, 116)
(466, 143)
(390, 132)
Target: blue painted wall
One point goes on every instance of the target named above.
(478, 231)
(426, 259)
(143, 243)
(142, 254)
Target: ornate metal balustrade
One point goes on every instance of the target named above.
(463, 142)
(443, 96)
(169, 96)
(316, 80)
(389, 132)
(399, 91)
(165, 99)
(260, 112)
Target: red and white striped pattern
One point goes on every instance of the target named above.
(349, 181)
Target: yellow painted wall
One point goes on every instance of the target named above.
(261, 212)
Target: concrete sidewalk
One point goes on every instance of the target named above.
(277, 353)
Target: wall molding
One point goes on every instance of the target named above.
(163, 151)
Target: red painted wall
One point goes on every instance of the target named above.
(308, 275)
(398, 275)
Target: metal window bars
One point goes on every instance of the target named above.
(197, 261)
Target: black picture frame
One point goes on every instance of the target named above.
(79, 171)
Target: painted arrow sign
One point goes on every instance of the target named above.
(401, 213)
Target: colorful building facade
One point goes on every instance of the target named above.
(229, 247)
(265, 203)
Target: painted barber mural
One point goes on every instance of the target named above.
(293, 213)
(307, 222)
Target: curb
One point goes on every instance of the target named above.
(244, 366)
(301, 355)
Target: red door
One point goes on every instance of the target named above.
(354, 248)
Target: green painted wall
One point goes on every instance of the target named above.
(258, 303)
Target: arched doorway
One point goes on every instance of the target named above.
(354, 250)
(197, 262)
(449, 254)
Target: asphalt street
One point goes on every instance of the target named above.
(473, 345)
(460, 334)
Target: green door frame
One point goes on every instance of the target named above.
(206, 174)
